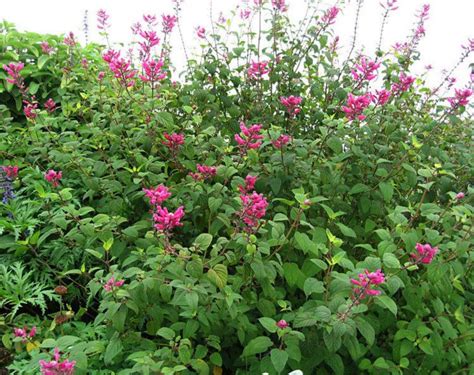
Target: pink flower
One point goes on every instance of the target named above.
(101, 76)
(201, 32)
(20, 332)
(258, 69)
(425, 253)
(150, 20)
(29, 109)
(46, 48)
(292, 104)
(245, 13)
(404, 83)
(136, 28)
(363, 285)
(249, 184)
(279, 5)
(459, 195)
(152, 70)
(158, 195)
(173, 142)
(330, 15)
(111, 284)
(356, 105)
(254, 207)
(56, 367)
(461, 98)
(50, 105)
(168, 23)
(53, 177)
(389, 5)
(120, 67)
(206, 171)
(382, 97)
(13, 70)
(282, 140)
(166, 221)
(32, 332)
(11, 171)
(365, 70)
(250, 138)
(102, 18)
(150, 40)
(69, 40)
(282, 324)
(84, 63)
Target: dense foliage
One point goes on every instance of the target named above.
(276, 208)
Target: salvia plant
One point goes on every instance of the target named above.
(280, 205)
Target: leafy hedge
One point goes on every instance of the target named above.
(275, 209)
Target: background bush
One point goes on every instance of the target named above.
(346, 194)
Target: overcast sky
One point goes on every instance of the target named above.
(449, 26)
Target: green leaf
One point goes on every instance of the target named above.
(387, 303)
(113, 349)
(391, 261)
(304, 243)
(256, 346)
(387, 191)
(269, 324)
(43, 59)
(203, 241)
(311, 285)
(365, 330)
(346, 231)
(166, 333)
(279, 359)
(359, 188)
(218, 275)
(165, 119)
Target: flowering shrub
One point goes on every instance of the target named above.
(281, 207)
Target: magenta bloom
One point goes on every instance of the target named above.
(136, 28)
(279, 5)
(11, 171)
(46, 48)
(150, 40)
(102, 20)
(201, 32)
(29, 109)
(120, 67)
(56, 367)
(459, 195)
(330, 15)
(365, 70)
(101, 76)
(404, 83)
(424, 253)
(258, 69)
(166, 221)
(254, 207)
(292, 104)
(50, 105)
(282, 324)
(53, 177)
(173, 142)
(249, 184)
(281, 141)
(245, 13)
(153, 71)
(461, 98)
(168, 23)
(13, 70)
(364, 285)
(70, 40)
(24, 334)
(382, 97)
(157, 195)
(111, 284)
(356, 105)
(389, 5)
(150, 19)
(250, 138)
(206, 171)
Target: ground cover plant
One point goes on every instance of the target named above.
(276, 207)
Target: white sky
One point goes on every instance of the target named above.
(450, 24)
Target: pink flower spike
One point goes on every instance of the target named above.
(53, 177)
(13, 70)
(382, 97)
(460, 195)
(356, 105)
(56, 367)
(32, 332)
(69, 40)
(330, 15)
(404, 83)
(258, 69)
(201, 32)
(102, 20)
(254, 207)
(282, 324)
(249, 184)
(173, 142)
(206, 171)
(168, 23)
(365, 70)
(150, 20)
(245, 14)
(29, 109)
(11, 171)
(166, 221)
(153, 71)
(279, 5)
(292, 104)
(158, 195)
(363, 286)
(46, 48)
(461, 98)
(50, 105)
(251, 138)
(282, 140)
(424, 253)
